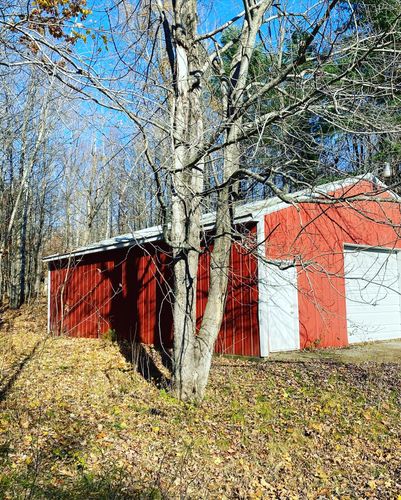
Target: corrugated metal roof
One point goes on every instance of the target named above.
(249, 211)
(124, 240)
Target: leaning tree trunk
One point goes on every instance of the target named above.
(193, 350)
(219, 271)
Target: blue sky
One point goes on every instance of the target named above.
(213, 12)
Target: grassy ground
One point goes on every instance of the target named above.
(379, 352)
(77, 421)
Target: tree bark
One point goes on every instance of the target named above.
(187, 184)
(193, 350)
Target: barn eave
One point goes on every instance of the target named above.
(244, 213)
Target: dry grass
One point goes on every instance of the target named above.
(77, 421)
(388, 351)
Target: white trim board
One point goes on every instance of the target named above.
(373, 248)
(262, 289)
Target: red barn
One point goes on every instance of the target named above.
(324, 274)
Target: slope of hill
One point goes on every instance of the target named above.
(78, 421)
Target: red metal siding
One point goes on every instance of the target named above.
(239, 332)
(80, 303)
(315, 234)
(130, 291)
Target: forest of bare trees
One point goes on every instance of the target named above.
(58, 190)
(130, 114)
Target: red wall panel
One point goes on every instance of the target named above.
(130, 291)
(240, 329)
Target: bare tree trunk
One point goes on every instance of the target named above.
(35, 288)
(22, 257)
(193, 352)
(187, 184)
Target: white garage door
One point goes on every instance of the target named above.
(372, 285)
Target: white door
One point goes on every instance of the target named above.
(372, 285)
(282, 308)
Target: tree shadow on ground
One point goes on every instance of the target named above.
(16, 371)
(88, 486)
(154, 365)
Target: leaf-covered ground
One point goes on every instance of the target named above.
(77, 421)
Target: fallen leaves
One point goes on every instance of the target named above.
(79, 422)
